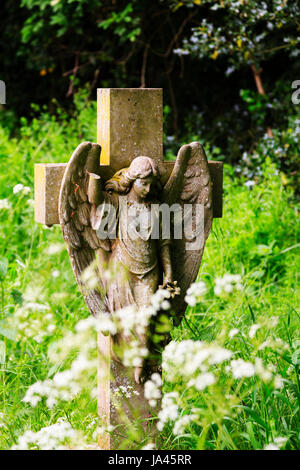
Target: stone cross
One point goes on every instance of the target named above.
(129, 124)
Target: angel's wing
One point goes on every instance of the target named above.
(189, 185)
(74, 216)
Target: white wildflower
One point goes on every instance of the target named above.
(160, 296)
(253, 330)
(55, 248)
(233, 332)
(5, 204)
(241, 368)
(169, 409)
(31, 321)
(20, 188)
(249, 183)
(263, 372)
(165, 305)
(195, 292)
(271, 447)
(182, 423)
(278, 382)
(227, 284)
(149, 446)
(186, 358)
(203, 381)
(57, 436)
(133, 355)
(89, 277)
(34, 292)
(30, 202)
(152, 389)
(280, 441)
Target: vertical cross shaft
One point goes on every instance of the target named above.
(129, 124)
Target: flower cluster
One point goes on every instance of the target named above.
(21, 189)
(188, 359)
(160, 300)
(66, 384)
(195, 292)
(152, 390)
(54, 248)
(126, 391)
(133, 354)
(227, 284)
(278, 443)
(131, 319)
(33, 320)
(5, 204)
(198, 366)
(58, 436)
(169, 409)
(132, 324)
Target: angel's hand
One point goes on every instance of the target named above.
(167, 281)
(171, 286)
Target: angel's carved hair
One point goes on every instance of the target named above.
(140, 167)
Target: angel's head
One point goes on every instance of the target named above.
(141, 177)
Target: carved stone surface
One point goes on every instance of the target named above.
(47, 182)
(143, 262)
(130, 123)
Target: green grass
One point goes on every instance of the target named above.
(258, 237)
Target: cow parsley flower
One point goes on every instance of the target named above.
(195, 292)
(33, 320)
(241, 368)
(253, 330)
(181, 423)
(20, 188)
(271, 447)
(55, 248)
(5, 204)
(203, 381)
(152, 389)
(57, 436)
(149, 446)
(169, 409)
(233, 332)
(227, 284)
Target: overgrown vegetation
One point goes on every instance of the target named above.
(217, 61)
(257, 239)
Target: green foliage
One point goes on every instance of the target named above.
(282, 149)
(246, 32)
(257, 104)
(198, 52)
(55, 15)
(120, 21)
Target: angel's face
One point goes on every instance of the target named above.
(142, 187)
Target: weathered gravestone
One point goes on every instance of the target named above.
(130, 133)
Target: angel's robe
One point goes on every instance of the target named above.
(132, 232)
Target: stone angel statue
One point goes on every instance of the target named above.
(120, 223)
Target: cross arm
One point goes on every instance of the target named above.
(48, 178)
